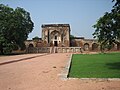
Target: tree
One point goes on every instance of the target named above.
(72, 41)
(115, 13)
(15, 25)
(36, 38)
(72, 37)
(107, 28)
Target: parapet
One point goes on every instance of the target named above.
(55, 25)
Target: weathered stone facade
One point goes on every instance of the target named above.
(54, 50)
(56, 35)
(86, 44)
(56, 38)
(91, 44)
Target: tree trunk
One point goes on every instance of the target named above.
(102, 48)
(2, 51)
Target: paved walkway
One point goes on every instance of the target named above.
(42, 72)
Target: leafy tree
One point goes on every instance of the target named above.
(36, 38)
(72, 41)
(108, 28)
(72, 37)
(15, 25)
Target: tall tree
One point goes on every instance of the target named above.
(107, 28)
(15, 25)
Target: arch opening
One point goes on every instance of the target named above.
(31, 45)
(94, 46)
(86, 46)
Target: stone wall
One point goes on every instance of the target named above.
(38, 50)
(54, 50)
(68, 50)
(83, 44)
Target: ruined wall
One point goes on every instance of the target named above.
(54, 50)
(91, 44)
(30, 43)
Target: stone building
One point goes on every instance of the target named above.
(58, 35)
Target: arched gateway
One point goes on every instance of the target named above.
(56, 34)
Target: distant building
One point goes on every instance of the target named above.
(58, 35)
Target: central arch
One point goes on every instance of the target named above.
(55, 38)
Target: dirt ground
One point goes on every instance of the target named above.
(42, 72)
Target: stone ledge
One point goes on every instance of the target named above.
(65, 71)
(97, 79)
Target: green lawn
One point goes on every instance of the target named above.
(95, 66)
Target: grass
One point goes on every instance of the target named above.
(95, 66)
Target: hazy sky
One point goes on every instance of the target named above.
(80, 14)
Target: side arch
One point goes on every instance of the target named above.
(86, 46)
(94, 46)
(30, 45)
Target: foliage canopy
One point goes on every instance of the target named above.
(107, 28)
(15, 25)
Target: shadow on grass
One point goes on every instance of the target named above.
(115, 65)
(23, 59)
